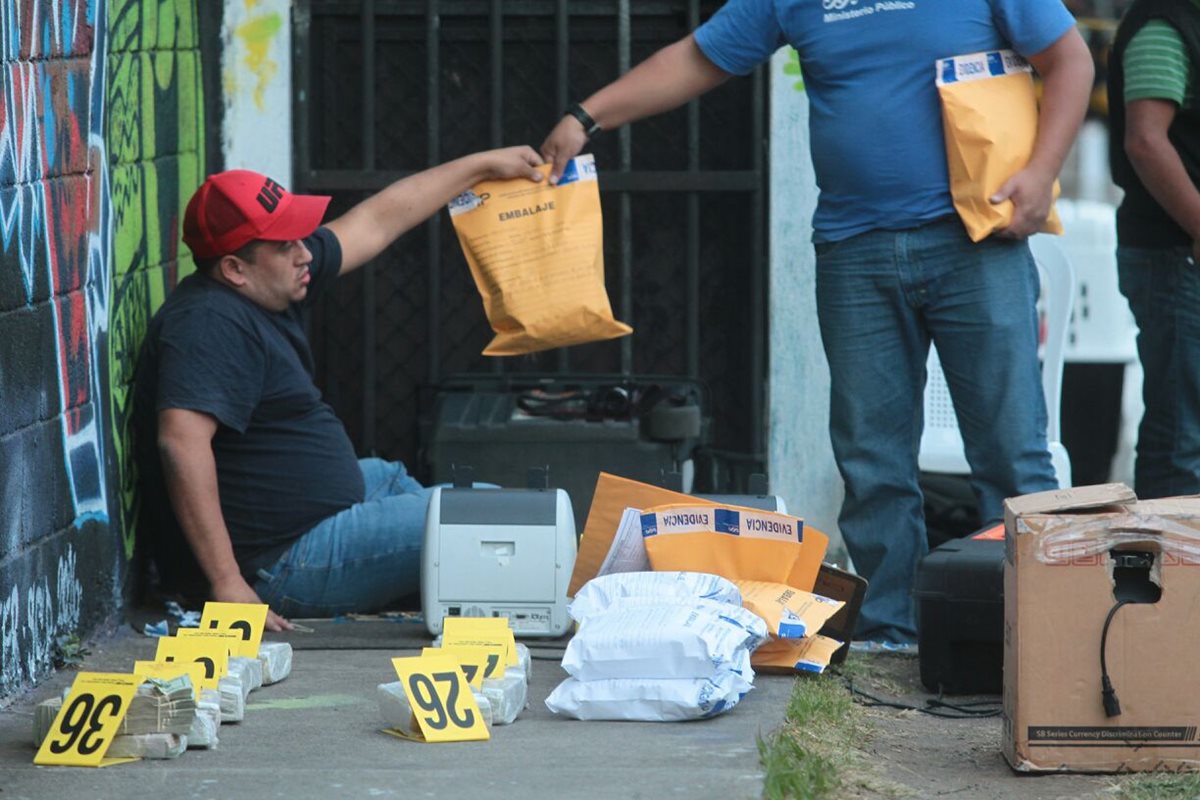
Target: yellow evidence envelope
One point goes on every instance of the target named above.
(536, 252)
(614, 494)
(990, 118)
(733, 542)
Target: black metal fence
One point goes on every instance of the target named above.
(388, 88)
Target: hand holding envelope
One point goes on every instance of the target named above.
(990, 118)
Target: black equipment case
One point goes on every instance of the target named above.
(959, 593)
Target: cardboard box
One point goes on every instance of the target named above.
(1060, 583)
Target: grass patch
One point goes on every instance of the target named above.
(794, 771)
(1158, 787)
(869, 671)
(808, 758)
(816, 755)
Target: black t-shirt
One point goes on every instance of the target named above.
(284, 461)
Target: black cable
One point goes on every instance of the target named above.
(932, 706)
(1108, 695)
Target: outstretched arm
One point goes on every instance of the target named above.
(365, 230)
(185, 447)
(674, 75)
(1067, 72)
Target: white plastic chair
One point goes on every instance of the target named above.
(941, 443)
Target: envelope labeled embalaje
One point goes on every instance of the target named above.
(536, 253)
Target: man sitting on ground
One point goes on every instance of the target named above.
(267, 499)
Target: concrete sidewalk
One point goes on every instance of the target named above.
(316, 735)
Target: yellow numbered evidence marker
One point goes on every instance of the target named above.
(481, 631)
(212, 651)
(88, 720)
(245, 619)
(169, 670)
(441, 701)
(478, 661)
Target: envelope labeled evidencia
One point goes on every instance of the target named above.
(536, 253)
(990, 118)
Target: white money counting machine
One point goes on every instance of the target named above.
(499, 553)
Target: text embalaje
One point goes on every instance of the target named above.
(528, 211)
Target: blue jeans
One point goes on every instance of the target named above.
(882, 296)
(359, 560)
(1163, 289)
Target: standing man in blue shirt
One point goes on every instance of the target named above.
(895, 269)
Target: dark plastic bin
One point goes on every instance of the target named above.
(620, 429)
(960, 617)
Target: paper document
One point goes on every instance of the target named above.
(612, 496)
(628, 551)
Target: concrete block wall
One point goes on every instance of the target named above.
(101, 143)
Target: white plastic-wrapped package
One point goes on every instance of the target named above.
(648, 700)
(602, 593)
(276, 658)
(662, 641)
(203, 733)
(507, 695)
(233, 698)
(249, 671)
(737, 615)
(396, 712)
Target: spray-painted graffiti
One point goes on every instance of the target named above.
(50, 148)
(101, 142)
(10, 639)
(28, 630)
(54, 253)
(155, 124)
(257, 35)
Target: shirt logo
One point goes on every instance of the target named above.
(842, 10)
(269, 195)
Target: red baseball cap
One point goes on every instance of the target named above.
(232, 209)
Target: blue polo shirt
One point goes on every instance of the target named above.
(875, 121)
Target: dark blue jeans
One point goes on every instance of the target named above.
(882, 296)
(1163, 289)
(359, 560)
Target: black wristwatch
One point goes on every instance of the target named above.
(585, 119)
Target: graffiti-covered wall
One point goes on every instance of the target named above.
(101, 142)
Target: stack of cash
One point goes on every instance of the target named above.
(144, 745)
(203, 733)
(276, 659)
(396, 712)
(232, 699)
(43, 718)
(161, 706)
(507, 695)
(158, 707)
(248, 671)
(147, 745)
